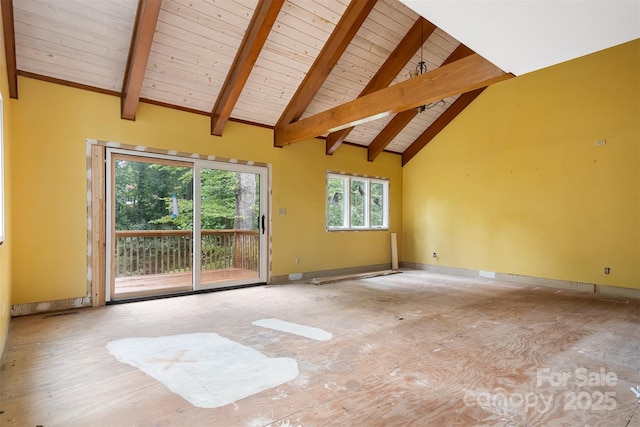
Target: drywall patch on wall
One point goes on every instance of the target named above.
(294, 328)
(207, 370)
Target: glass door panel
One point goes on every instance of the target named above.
(154, 202)
(152, 226)
(230, 227)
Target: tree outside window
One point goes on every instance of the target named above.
(357, 203)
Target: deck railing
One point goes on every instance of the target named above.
(144, 252)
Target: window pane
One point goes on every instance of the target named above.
(377, 204)
(358, 204)
(152, 195)
(335, 202)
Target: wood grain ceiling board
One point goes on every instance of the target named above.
(87, 42)
(141, 40)
(300, 32)
(440, 123)
(463, 75)
(341, 37)
(417, 126)
(193, 49)
(262, 22)
(436, 49)
(77, 41)
(369, 49)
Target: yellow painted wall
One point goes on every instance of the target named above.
(516, 184)
(5, 248)
(50, 125)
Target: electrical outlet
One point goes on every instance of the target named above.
(607, 270)
(435, 255)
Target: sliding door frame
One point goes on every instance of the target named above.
(262, 230)
(198, 163)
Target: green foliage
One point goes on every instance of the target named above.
(335, 202)
(377, 204)
(358, 195)
(363, 194)
(143, 197)
(219, 195)
(141, 193)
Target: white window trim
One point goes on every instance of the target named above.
(346, 206)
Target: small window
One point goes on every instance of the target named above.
(357, 203)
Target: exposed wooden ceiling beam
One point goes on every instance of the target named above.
(340, 38)
(395, 126)
(10, 47)
(256, 35)
(462, 76)
(390, 131)
(141, 40)
(462, 51)
(412, 41)
(440, 123)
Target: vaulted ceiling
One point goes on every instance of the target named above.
(336, 69)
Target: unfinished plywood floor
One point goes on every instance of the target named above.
(409, 349)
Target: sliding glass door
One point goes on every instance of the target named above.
(231, 225)
(154, 247)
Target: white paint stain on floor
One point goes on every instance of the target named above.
(369, 348)
(206, 369)
(267, 422)
(294, 328)
(281, 394)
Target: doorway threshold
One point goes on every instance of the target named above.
(182, 294)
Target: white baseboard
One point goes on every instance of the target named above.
(608, 290)
(605, 290)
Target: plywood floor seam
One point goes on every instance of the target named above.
(410, 349)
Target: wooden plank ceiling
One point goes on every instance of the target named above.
(285, 64)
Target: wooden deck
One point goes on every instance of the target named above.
(126, 287)
(410, 349)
